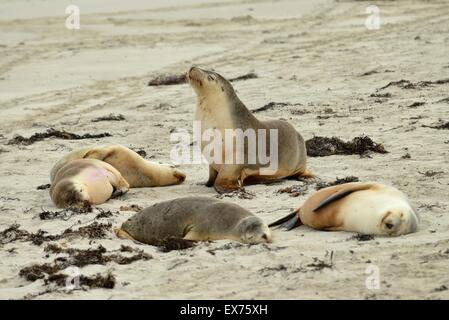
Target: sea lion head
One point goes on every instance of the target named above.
(253, 230)
(209, 83)
(69, 193)
(398, 219)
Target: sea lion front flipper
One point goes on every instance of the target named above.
(228, 179)
(341, 192)
(120, 185)
(120, 233)
(306, 174)
(212, 176)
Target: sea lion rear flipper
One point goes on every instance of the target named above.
(120, 233)
(288, 222)
(340, 194)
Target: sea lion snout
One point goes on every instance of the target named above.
(195, 74)
(202, 79)
(180, 176)
(267, 237)
(391, 222)
(398, 222)
(192, 69)
(68, 193)
(254, 231)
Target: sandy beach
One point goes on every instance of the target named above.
(325, 72)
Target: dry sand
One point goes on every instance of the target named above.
(319, 57)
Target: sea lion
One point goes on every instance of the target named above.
(366, 208)
(86, 181)
(196, 218)
(137, 171)
(219, 107)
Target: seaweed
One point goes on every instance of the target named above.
(50, 272)
(240, 193)
(440, 126)
(140, 152)
(444, 100)
(270, 105)
(13, 233)
(318, 264)
(362, 237)
(400, 83)
(406, 84)
(168, 79)
(53, 133)
(96, 281)
(381, 95)
(247, 76)
(295, 190)
(64, 214)
(53, 248)
(40, 237)
(44, 186)
(81, 258)
(416, 104)
(430, 173)
(94, 230)
(104, 214)
(38, 271)
(324, 146)
(440, 288)
(110, 117)
(124, 248)
(172, 243)
(406, 156)
(172, 79)
(133, 207)
(368, 73)
(337, 181)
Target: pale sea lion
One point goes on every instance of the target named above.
(195, 218)
(86, 181)
(219, 107)
(366, 208)
(137, 171)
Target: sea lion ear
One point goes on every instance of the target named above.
(342, 191)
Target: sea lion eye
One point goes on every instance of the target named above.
(265, 236)
(210, 78)
(389, 225)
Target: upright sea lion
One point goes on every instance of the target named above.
(137, 171)
(219, 107)
(86, 181)
(366, 208)
(195, 218)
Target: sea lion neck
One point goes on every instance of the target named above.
(229, 101)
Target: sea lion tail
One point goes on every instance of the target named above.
(288, 222)
(122, 234)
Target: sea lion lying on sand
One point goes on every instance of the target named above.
(366, 208)
(85, 182)
(195, 218)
